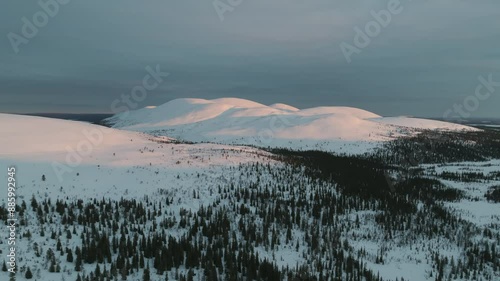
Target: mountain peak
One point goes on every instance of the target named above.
(241, 121)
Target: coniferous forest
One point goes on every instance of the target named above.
(315, 216)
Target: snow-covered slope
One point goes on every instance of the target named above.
(239, 121)
(90, 160)
(71, 161)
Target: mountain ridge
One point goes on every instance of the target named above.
(240, 121)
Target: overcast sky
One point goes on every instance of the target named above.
(427, 59)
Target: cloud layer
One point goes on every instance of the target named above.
(427, 59)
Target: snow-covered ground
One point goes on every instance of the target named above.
(238, 121)
(71, 160)
(78, 159)
(474, 208)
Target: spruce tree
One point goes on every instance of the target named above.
(78, 263)
(69, 256)
(28, 274)
(146, 275)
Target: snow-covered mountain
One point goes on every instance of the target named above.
(126, 204)
(89, 160)
(239, 121)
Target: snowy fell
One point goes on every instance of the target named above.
(239, 121)
(85, 193)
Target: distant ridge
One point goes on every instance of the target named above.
(241, 121)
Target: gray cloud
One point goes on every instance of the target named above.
(92, 51)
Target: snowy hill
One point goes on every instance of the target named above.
(239, 121)
(88, 160)
(124, 205)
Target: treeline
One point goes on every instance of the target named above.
(469, 176)
(441, 147)
(306, 220)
